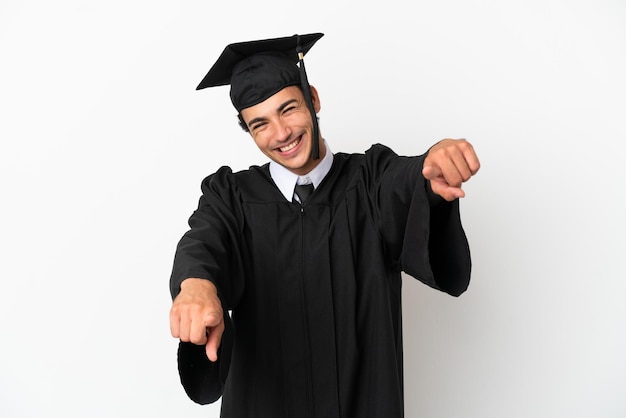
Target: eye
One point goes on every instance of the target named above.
(257, 126)
(288, 109)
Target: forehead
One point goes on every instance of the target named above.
(273, 103)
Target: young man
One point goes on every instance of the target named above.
(312, 277)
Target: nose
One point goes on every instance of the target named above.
(282, 131)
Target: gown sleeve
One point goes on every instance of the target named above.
(422, 232)
(211, 250)
(202, 379)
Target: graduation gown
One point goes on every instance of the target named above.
(315, 292)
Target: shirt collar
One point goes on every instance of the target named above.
(285, 180)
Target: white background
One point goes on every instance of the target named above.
(104, 142)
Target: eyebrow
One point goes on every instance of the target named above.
(280, 109)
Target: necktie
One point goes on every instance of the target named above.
(303, 191)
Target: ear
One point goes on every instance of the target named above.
(315, 98)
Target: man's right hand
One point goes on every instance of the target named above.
(197, 316)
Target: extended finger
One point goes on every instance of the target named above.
(214, 340)
(431, 172)
(440, 184)
(447, 192)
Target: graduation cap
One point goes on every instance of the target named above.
(259, 69)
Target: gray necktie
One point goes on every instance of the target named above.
(303, 191)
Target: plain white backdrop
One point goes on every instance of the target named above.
(104, 142)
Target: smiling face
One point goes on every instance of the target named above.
(282, 128)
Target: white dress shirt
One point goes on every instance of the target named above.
(286, 180)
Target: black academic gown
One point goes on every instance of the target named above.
(315, 292)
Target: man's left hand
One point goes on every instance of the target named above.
(449, 163)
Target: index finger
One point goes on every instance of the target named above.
(431, 172)
(214, 339)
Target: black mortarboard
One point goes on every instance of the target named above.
(259, 69)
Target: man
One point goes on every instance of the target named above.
(312, 278)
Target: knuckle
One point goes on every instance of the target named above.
(195, 340)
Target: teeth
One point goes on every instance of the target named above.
(290, 146)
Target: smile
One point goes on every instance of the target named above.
(290, 146)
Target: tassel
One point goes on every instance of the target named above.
(306, 90)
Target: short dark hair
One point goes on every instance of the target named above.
(242, 123)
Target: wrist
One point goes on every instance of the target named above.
(197, 284)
